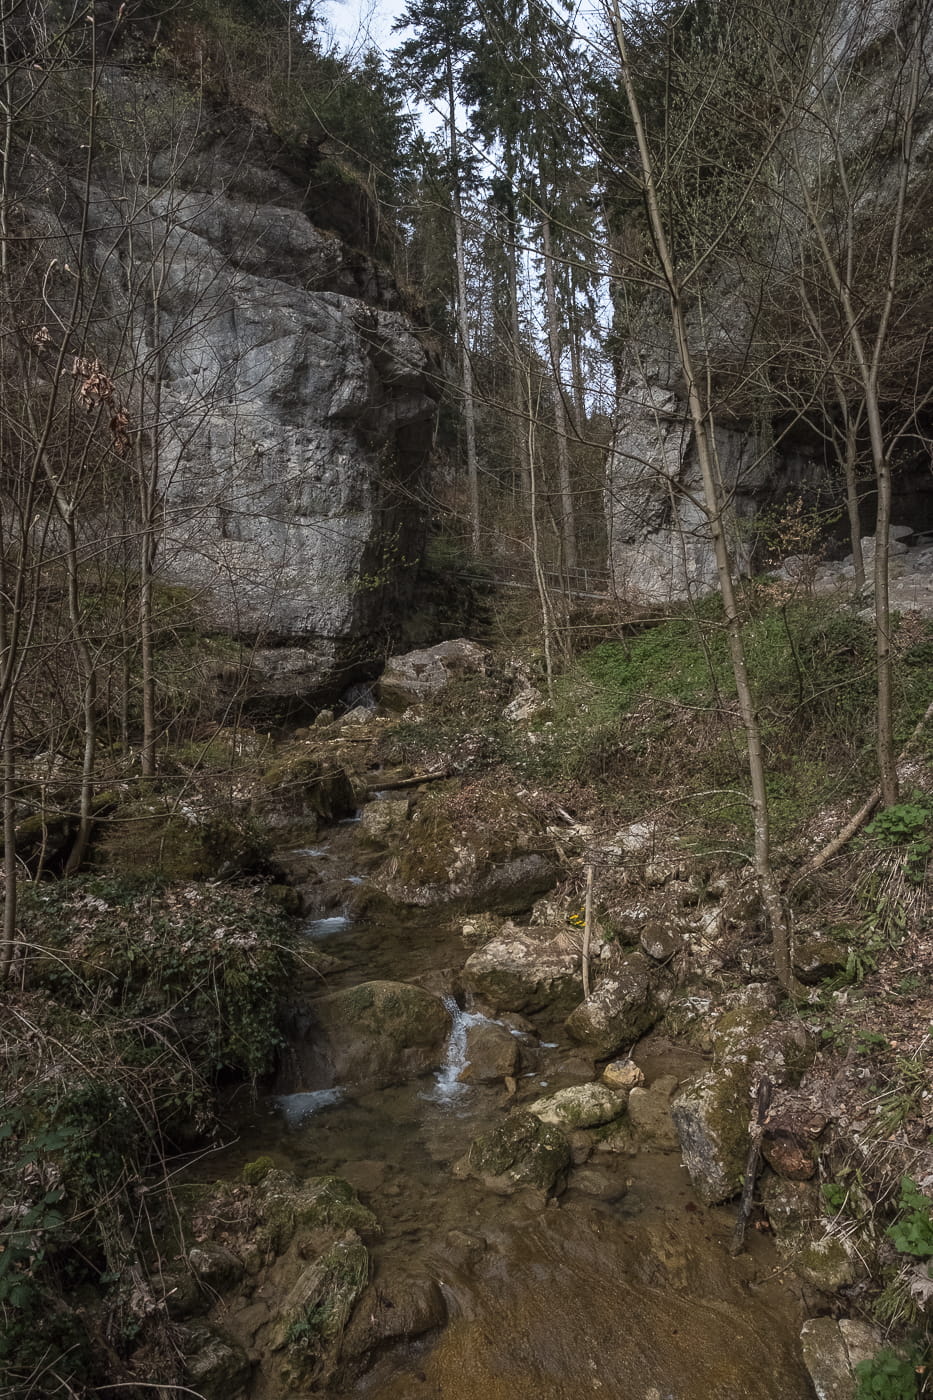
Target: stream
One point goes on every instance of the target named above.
(629, 1293)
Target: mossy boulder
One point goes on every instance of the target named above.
(312, 1319)
(317, 1206)
(712, 1114)
(623, 1005)
(525, 970)
(475, 848)
(305, 781)
(153, 838)
(520, 1153)
(378, 1033)
(580, 1106)
(420, 675)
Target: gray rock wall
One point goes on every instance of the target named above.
(294, 400)
(659, 543)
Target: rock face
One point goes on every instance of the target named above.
(659, 540)
(831, 1351)
(294, 395)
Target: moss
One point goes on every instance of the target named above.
(319, 1306)
(152, 838)
(522, 1151)
(301, 778)
(254, 1171)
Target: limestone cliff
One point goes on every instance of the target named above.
(753, 346)
(287, 401)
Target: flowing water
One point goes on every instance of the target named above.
(629, 1294)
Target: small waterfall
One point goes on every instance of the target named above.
(447, 1086)
(297, 1108)
(325, 928)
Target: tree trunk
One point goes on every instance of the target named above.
(567, 526)
(463, 322)
(701, 422)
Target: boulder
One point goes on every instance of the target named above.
(383, 820)
(622, 1007)
(419, 675)
(520, 1153)
(475, 847)
(214, 1266)
(400, 1307)
(492, 1053)
(312, 1318)
(832, 1349)
(579, 1106)
(622, 1074)
(817, 956)
(712, 1114)
(711, 1118)
(649, 1112)
(660, 941)
(216, 1366)
(376, 1033)
(318, 1206)
(521, 970)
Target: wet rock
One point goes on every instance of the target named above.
(382, 820)
(397, 1308)
(419, 675)
(580, 1106)
(216, 1366)
(649, 1112)
(378, 1033)
(622, 1074)
(492, 1053)
(622, 1007)
(310, 1325)
(521, 1152)
(597, 1181)
(831, 1351)
(214, 1266)
(522, 971)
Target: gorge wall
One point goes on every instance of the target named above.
(294, 400)
(777, 424)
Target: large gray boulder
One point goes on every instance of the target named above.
(420, 675)
(524, 970)
(622, 1006)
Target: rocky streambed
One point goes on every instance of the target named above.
(445, 1195)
